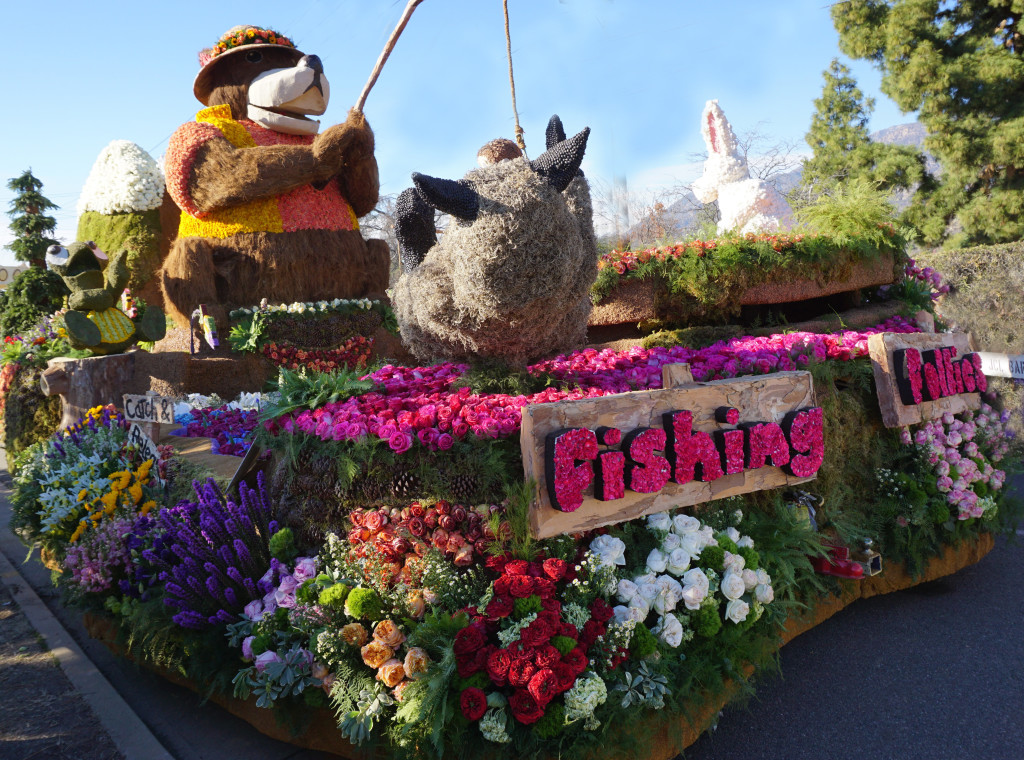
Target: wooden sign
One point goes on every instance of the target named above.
(159, 409)
(920, 376)
(144, 445)
(1002, 365)
(600, 461)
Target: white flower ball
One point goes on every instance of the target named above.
(124, 179)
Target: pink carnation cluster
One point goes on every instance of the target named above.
(421, 405)
(961, 451)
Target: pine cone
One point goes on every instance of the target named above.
(405, 485)
(462, 487)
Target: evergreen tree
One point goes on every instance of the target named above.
(32, 228)
(842, 149)
(960, 65)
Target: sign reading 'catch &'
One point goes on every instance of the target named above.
(149, 409)
(921, 376)
(604, 460)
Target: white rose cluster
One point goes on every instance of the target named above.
(672, 583)
(124, 179)
(342, 305)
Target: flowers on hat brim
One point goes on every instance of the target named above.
(244, 35)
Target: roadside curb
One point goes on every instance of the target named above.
(131, 736)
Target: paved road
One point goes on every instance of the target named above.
(929, 673)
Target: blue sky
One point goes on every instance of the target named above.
(78, 75)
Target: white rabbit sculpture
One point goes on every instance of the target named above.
(746, 204)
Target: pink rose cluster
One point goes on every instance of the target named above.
(424, 406)
(962, 450)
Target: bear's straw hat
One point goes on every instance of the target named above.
(234, 40)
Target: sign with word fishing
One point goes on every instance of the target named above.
(1002, 365)
(158, 409)
(599, 461)
(921, 376)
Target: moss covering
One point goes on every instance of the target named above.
(984, 299)
(29, 416)
(138, 233)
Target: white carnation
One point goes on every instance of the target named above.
(124, 179)
(764, 593)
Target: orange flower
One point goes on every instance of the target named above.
(376, 654)
(391, 673)
(388, 634)
(354, 634)
(416, 662)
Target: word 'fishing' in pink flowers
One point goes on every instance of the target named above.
(651, 457)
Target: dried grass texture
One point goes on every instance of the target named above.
(305, 265)
(513, 285)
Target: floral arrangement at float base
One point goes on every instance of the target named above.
(84, 474)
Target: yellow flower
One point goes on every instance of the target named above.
(135, 491)
(146, 507)
(109, 500)
(82, 494)
(144, 469)
(78, 531)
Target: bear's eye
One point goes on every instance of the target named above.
(254, 56)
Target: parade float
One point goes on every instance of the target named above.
(520, 541)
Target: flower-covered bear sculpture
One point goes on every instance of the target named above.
(511, 278)
(93, 320)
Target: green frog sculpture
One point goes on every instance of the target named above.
(93, 320)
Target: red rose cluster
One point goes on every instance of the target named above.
(549, 654)
(462, 533)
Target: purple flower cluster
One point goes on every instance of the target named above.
(213, 555)
(231, 429)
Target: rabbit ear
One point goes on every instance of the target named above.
(710, 127)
